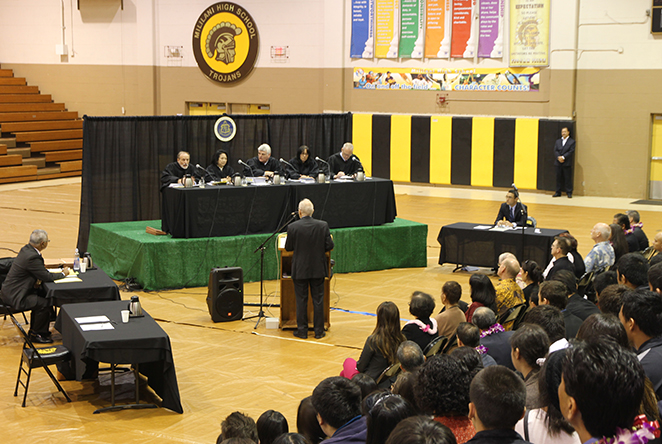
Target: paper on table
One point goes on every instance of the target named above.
(91, 319)
(68, 279)
(500, 229)
(281, 241)
(102, 326)
(482, 227)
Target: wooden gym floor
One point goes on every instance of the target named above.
(231, 366)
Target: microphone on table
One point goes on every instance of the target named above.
(324, 161)
(286, 162)
(241, 162)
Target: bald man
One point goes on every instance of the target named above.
(508, 293)
(602, 254)
(655, 248)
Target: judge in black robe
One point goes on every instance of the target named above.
(175, 171)
(344, 163)
(219, 167)
(302, 165)
(263, 164)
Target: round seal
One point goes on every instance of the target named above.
(225, 129)
(225, 42)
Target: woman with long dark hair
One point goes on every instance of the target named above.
(219, 167)
(618, 242)
(303, 165)
(483, 294)
(532, 277)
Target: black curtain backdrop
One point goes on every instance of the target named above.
(123, 156)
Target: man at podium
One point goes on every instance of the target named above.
(309, 240)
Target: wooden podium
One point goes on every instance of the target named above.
(288, 303)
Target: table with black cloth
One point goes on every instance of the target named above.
(96, 286)
(226, 210)
(462, 244)
(140, 341)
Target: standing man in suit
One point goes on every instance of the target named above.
(564, 150)
(309, 239)
(512, 212)
(25, 276)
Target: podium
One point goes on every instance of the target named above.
(288, 303)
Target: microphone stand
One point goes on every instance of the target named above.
(250, 168)
(287, 163)
(328, 167)
(262, 247)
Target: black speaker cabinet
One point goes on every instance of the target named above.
(225, 297)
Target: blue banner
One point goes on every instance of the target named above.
(362, 43)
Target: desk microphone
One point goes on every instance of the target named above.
(324, 161)
(286, 162)
(241, 162)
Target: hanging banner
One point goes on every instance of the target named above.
(529, 32)
(461, 43)
(490, 25)
(411, 28)
(469, 79)
(387, 13)
(438, 28)
(362, 29)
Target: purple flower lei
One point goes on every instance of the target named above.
(642, 432)
(481, 349)
(496, 328)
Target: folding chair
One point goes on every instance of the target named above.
(32, 357)
(507, 320)
(450, 345)
(435, 346)
(389, 372)
(7, 310)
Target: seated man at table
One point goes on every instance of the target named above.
(512, 213)
(174, 172)
(344, 163)
(19, 290)
(263, 164)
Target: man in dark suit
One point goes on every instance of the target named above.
(564, 150)
(512, 212)
(19, 290)
(560, 250)
(309, 239)
(494, 338)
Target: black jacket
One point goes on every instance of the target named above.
(521, 214)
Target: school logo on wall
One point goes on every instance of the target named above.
(225, 42)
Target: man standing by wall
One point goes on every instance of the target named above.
(564, 151)
(309, 239)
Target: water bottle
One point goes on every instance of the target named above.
(76, 260)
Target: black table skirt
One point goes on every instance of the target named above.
(96, 286)
(140, 341)
(462, 244)
(231, 211)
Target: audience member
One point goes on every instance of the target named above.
(469, 335)
(291, 438)
(483, 294)
(601, 256)
(307, 423)
(554, 293)
(603, 325)
(547, 424)
(423, 329)
(637, 229)
(421, 430)
(551, 320)
(529, 345)
(623, 221)
(369, 401)
(601, 391)
(497, 398)
(577, 305)
(442, 389)
(270, 425)
(238, 425)
(632, 270)
(337, 401)
(655, 278)
(560, 250)
(381, 347)
(532, 277)
(603, 280)
(508, 293)
(220, 440)
(365, 383)
(470, 358)
(641, 315)
(618, 242)
(653, 252)
(493, 336)
(382, 418)
(411, 358)
(655, 259)
(611, 299)
(450, 318)
(574, 256)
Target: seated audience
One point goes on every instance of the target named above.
(603, 280)
(270, 425)
(637, 229)
(554, 293)
(450, 318)
(292, 438)
(263, 164)
(483, 294)
(381, 347)
(560, 250)
(497, 398)
(632, 271)
(421, 430)
(423, 329)
(623, 221)
(508, 293)
(470, 358)
(641, 315)
(655, 278)
(219, 167)
(220, 440)
(303, 165)
(618, 242)
(365, 383)
(410, 356)
(530, 345)
(574, 256)
(611, 299)
(577, 305)
(337, 401)
(532, 277)
(442, 390)
(551, 320)
(547, 424)
(653, 252)
(238, 425)
(468, 335)
(601, 391)
(382, 418)
(493, 336)
(307, 423)
(601, 256)
(174, 172)
(603, 325)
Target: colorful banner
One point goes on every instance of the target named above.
(469, 79)
(529, 32)
(386, 28)
(490, 25)
(362, 29)
(438, 29)
(411, 28)
(461, 46)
